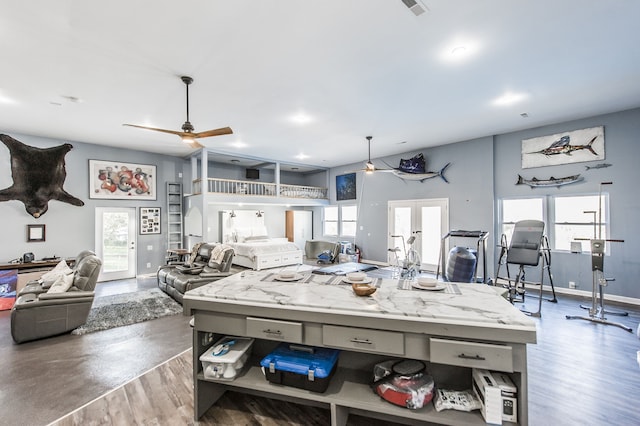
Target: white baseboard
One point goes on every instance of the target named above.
(584, 293)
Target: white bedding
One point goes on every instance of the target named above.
(253, 248)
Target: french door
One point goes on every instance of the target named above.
(424, 220)
(116, 242)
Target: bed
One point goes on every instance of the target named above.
(252, 246)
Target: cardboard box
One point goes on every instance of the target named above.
(497, 394)
(226, 365)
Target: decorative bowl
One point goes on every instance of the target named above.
(362, 289)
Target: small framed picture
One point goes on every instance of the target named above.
(149, 220)
(35, 233)
(346, 187)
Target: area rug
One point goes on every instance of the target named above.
(128, 308)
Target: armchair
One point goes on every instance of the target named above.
(62, 308)
(207, 263)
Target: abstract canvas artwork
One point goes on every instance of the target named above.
(346, 187)
(564, 148)
(117, 180)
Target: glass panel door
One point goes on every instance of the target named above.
(426, 221)
(116, 242)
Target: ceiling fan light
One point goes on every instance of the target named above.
(188, 139)
(369, 167)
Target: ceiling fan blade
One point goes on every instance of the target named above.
(173, 132)
(195, 144)
(215, 132)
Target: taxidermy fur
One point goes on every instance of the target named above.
(38, 175)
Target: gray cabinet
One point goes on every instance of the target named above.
(175, 224)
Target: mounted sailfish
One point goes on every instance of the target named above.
(563, 146)
(415, 169)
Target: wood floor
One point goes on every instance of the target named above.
(580, 373)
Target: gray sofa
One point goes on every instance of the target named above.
(176, 278)
(38, 313)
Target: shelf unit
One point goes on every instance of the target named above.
(349, 391)
(175, 223)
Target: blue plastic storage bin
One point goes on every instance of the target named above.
(303, 367)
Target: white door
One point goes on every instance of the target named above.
(116, 242)
(426, 220)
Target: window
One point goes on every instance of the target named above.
(330, 221)
(515, 210)
(341, 220)
(570, 217)
(577, 217)
(348, 220)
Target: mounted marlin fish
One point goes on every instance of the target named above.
(415, 169)
(545, 183)
(563, 146)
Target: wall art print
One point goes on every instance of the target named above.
(38, 176)
(149, 220)
(121, 181)
(346, 187)
(577, 146)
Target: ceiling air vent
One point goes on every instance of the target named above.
(417, 8)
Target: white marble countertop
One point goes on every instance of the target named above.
(457, 304)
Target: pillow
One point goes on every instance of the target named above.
(242, 234)
(60, 269)
(62, 283)
(257, 238)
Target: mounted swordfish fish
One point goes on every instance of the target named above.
(545, 183)
(415, 168)
(563, 146)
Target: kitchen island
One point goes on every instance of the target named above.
(452, 330)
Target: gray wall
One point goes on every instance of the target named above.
(71, 229)
(621, 132)
(470, 192)
(485, 170)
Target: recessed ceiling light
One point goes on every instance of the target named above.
(294, 168)
(301, 118)
(524, 115)
(302, 156)
(235, 160)
(460, 50)
(238, 144)
(510, 98)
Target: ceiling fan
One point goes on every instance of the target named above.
(369, 167)
(187, 134)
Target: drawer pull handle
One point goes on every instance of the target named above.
(365, 341)
(475, 357)
(269, 331)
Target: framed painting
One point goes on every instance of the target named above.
(113, 180)
(36, 233)
(577, 146)
(149, 220)
(346, 187)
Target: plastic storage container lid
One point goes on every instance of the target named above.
(301, 359)
(237, 347)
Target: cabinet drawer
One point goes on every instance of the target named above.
(270, 329)
(364, 339)
(471, 354)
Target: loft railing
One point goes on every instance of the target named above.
(260, 189)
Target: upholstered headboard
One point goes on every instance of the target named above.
(238, 225)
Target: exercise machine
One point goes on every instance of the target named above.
(596, 310)
(529, 247)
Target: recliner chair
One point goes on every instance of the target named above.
(177, 278)
(45, 314)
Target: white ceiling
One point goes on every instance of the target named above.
(77, 70)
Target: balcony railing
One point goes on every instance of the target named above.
(260, 189)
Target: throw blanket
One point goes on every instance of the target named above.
(194, 253)
(218, 252)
